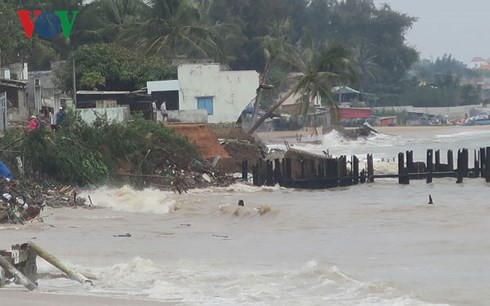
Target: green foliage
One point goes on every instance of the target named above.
(92, 80)
(79, 153)
(112, 67)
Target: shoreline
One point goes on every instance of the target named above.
(393, 130)
(20, 297)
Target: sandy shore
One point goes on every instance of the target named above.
(20, 297)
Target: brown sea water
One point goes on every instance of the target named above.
(371, 244)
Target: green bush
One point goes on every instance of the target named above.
(79, 153)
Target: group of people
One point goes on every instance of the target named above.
(54, 120)
(163, 110)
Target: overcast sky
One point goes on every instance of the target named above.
(447, 27)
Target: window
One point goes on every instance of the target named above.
(205, 103)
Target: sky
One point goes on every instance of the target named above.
(453, 27)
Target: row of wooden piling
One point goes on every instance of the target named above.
(300, 169)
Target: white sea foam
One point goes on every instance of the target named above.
(199, 282)
(130, 200)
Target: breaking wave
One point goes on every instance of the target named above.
(130, 200)
(200, 282)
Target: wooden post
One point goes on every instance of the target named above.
(465, 161)
(430, 166)
(400, 168)
(476, 163)
(370, 168)
(245, 170)
(438, 161)
(460, 168)
(450, 160)
(270, 173)
(410, 162)
(23, 280)
(355, 170)
(58, 264)
(277, 171)
(483, 162)
(487, 165)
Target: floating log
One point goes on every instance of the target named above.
(23, 280)
(58, 264)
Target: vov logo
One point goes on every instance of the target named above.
(47, 25)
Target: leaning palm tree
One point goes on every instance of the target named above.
(276, 47)
(316, 74)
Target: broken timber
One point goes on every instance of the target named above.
(58, 264)
(20, 264)
(300, 169)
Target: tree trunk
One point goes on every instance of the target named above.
(271, 110)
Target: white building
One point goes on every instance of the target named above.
(207, 92)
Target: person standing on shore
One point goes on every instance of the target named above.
(153, 111)
(163, 110)
(52, 120)
(33, 123)
(60, 115)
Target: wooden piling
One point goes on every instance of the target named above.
(245, 170)
(437, 166)
(450, 160)
(255, 175)
(410, 168)
(483, 162)
(270, 173)
(277, 171)
(58, 264)
(465, 162)
(476, 164)
(355, 170)
(403, 177)
(430, 166)
(460, 168)
(487, 165)
(23, 280)
(370, 168)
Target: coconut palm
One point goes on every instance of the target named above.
(316, 74)
(367, 70)
(178, 29)
(276, 48)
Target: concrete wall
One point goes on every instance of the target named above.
(188, 116)
(119, 114)
(231, 90)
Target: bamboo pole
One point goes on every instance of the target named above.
(58, 264)
(4, 263)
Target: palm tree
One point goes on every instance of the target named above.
(367, 70)
(316, 74)
(276, 48)
(178, 29)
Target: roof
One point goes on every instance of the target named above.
(169, 85)
(96, 92)
(13, 83)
